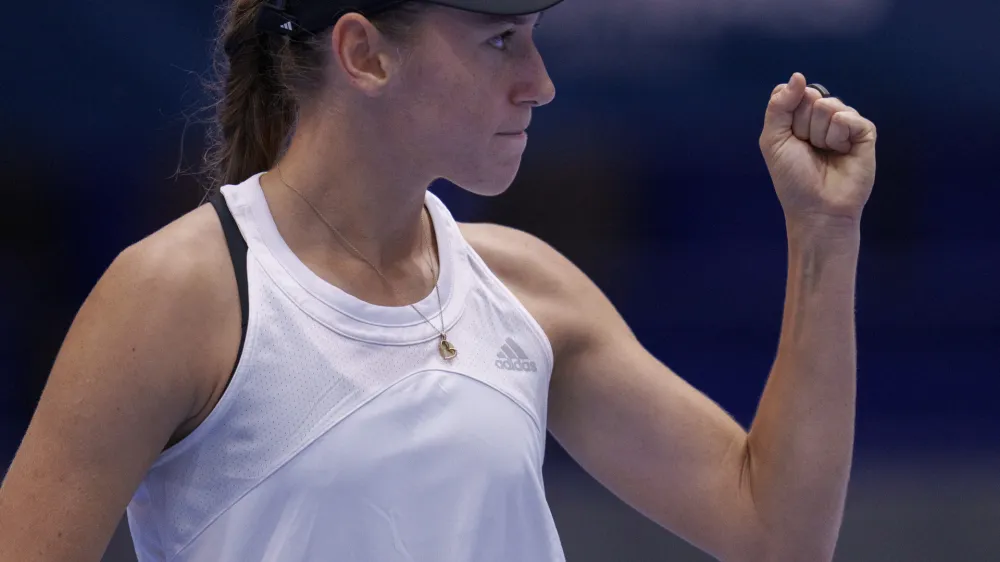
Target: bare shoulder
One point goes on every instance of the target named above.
(170, 301)
(521, 260)
(187, 259)
(561, 297)
(181, 275)
(189, 245)
(181, 278)
(139, 361)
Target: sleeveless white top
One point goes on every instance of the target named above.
(344, 436)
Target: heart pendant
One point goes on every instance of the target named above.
(448, 351)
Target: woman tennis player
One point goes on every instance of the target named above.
(322, 365)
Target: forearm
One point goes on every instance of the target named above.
(800, 444)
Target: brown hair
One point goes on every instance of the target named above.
(258, 90)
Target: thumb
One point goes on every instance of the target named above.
(781, 108)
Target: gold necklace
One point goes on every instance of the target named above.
(445, 347)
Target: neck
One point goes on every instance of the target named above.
(368, 195)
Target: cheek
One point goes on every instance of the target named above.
(454, 111)
(459, 98)
(466, 108)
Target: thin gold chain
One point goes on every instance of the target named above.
(423, 246)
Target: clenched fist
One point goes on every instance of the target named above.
(820, 154)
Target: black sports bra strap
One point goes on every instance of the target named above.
(238, 253)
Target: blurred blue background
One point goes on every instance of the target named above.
(645, 171)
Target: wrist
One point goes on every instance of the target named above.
(822, 229)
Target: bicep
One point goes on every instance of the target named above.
(646, 434)
(655, 441)
(116, 392)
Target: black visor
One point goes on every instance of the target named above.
(311, 16)
(299, 18)
(499, 7)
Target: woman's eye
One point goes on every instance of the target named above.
(500, 41)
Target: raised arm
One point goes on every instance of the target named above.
(777, 492)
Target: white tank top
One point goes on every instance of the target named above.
(343, 434)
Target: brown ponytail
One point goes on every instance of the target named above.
(261, 85)
(254, 111)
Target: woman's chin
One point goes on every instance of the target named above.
(496, 184)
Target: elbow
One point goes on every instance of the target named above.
(804, 534)
(770, 542)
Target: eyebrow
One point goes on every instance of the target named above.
(486, 19)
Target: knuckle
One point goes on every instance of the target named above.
(827, 106)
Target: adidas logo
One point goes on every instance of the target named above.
(287, 26)
(513, 358)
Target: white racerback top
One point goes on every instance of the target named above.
(344, 436)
